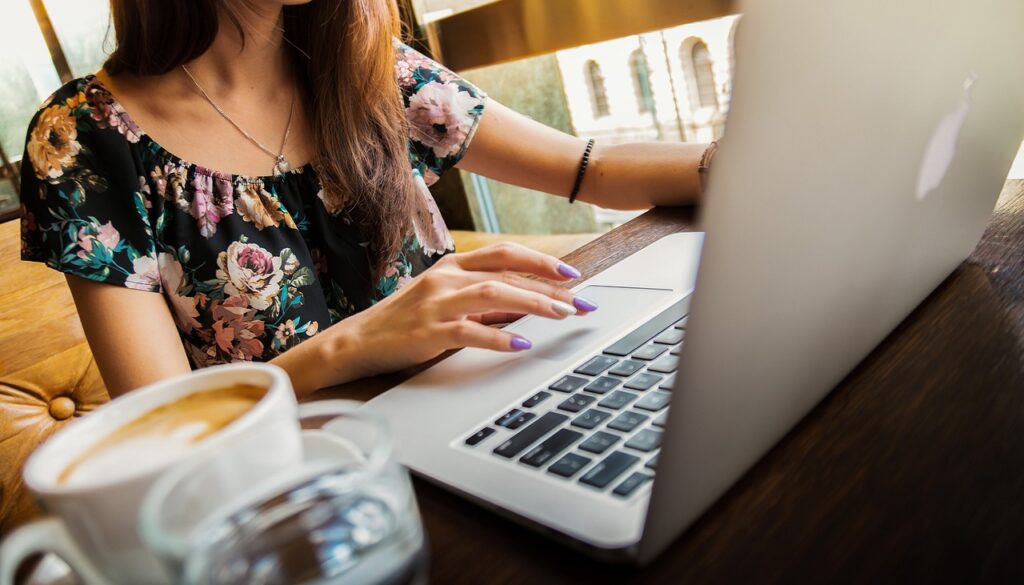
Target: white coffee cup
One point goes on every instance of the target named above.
(93, 526)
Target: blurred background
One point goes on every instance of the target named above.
(613, 70)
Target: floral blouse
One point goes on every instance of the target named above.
(249, 266)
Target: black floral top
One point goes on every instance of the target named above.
(250, 266)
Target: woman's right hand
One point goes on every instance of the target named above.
(446, 307)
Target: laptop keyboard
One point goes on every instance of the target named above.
(600, 424)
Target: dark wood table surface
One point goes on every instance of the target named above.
(910, 471)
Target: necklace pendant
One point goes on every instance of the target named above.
(282, 166)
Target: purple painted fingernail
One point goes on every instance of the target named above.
(521, 343)
(584, 305)
(568, 271)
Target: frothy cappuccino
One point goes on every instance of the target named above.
(161, 435)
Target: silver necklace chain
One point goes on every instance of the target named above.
(281, 164)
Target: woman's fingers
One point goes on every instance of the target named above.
(502, 262)
(582, 305)
(492, 296)
(464, 278)
(508, 256)
(466, 333)
(495, 318)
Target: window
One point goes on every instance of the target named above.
(31, 73)
(701, 75)
(28, 74)
(641, 81)
(85, 32)
(598, 93)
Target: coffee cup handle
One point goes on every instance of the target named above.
(48, 535)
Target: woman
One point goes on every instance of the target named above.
(313, 245)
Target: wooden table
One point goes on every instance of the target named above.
(910, 471)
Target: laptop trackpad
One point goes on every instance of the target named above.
(618, 308)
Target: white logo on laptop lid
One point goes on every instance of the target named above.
(942, 147)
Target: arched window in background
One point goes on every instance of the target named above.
(641, 81)
(598, 93)
(701, 76)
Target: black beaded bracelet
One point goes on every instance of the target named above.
(582, 171)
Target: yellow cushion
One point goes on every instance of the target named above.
(557, 245)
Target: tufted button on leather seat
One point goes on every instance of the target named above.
(62, 407)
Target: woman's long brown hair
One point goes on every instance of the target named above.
(357, 115)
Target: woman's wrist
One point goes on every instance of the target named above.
(300, 364)
(325, 360)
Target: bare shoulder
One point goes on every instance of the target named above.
(150, 100)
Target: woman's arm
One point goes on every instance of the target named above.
(131, 334)
(512, 148)
(135, 342)
(446, 307)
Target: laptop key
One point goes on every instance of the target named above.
(569, 384)
(654, 401)
(645, 332)
(627, 421)
(627, 368)
(536, 399)
(569, 465)
(652, 463)
(659, 421)
(478, 436)
(617, 399)
(591, 418)
(514, 419)
(670, 337)
(528, 436)
(596, 365)
(645, 440)
(629, 485)
(602, 385)
(675, 350)
(599, 442)
(508, 416)
(643, 381)
(682, 323)
(550, 447)
(649, 352)
(608, 469)
(576, 402)
(666, 364)
(520, 420)
(668, 383)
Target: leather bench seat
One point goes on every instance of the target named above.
(47, 373)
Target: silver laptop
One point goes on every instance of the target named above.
(867, 143)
